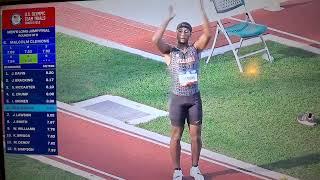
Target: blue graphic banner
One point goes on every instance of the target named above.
(29, 81)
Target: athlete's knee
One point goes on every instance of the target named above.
(176, 137)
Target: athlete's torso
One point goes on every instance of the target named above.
(184, 69)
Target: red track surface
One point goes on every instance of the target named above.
(299, 17)
(123, 155)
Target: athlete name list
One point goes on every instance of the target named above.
(29, 79)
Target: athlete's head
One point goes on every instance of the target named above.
(184, 30)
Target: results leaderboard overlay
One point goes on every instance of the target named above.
(29, 81)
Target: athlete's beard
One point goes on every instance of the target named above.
(182, 44)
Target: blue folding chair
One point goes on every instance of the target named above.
(244, 30)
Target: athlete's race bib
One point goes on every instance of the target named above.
(188, 77)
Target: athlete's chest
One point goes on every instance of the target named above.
(184, 57)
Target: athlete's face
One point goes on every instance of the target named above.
(183, 35)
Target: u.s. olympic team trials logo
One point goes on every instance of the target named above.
(16, 19)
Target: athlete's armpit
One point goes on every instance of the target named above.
(167, 58)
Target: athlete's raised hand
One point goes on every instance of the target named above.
(172, 14)
(157, 37)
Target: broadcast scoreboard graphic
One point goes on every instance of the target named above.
(29, 80)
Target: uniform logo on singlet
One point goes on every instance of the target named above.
(186, 58)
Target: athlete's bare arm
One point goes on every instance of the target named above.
(203, 40)
(157, 37)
